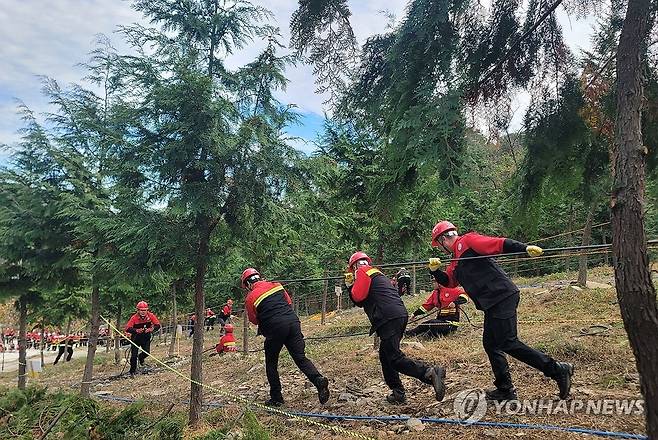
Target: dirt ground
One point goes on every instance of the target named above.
(553, 317)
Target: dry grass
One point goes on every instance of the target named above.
(605, 369)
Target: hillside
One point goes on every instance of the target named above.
(553, 317)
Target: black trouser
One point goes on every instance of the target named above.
(144, 341)
(61, 352)
(210, 322)
(391, 357)
(500, 338)
(404, 282)
(432, 329)
(290, 335)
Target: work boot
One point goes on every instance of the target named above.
(500, 394)
(322, 384)
(274, 402)
(436, 377)
(397, 397)
(563, 378)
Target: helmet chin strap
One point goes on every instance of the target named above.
(445, 248)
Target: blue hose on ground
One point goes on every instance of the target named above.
(481, 423)
(539, 427)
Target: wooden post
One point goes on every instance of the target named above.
(606, 258)
(245, 332)
(324, 300)
(413, 278)
(117, 338)
(174, 320)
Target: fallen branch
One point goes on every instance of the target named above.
(54, 422)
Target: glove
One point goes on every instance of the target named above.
(349, 279)
(140, 330)
(435, 264)
(534, 251)
(148, 330)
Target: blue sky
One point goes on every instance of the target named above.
(52, 38)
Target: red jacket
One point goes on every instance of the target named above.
(262, 291)
(226, 311)
(226, 344)
(485, 281)
(440, 298)
(209, 313)
(149, 324)
(373, 291)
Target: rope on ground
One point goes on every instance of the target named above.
(245, 401)
(481, 423)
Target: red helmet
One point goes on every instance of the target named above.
(439, 229)
(248, 272)
(142, 305)
(228, 328)
(356, 256)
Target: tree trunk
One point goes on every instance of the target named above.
(42, 345)
(587, 238)
(635, 291)
(174, 320)
(117, 338)
(93, 341)
(66, 340)
(196, 390)
(22, 347)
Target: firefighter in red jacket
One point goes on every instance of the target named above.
(494, 292)
(371, 289)
(140, 326)
(210, 319)
(226, 343)
(268, 305)
(447, 301)
(225, 314)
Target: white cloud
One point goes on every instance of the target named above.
(51, 38)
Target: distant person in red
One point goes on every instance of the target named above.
(210, 319)
(227, 342)
(225, 313)
(268, 306)
(447, 300)
(140, 326)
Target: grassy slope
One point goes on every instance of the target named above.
(605, 369)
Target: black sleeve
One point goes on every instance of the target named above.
(441, 277)
(156, 327)
(510, 246)
(131, 330)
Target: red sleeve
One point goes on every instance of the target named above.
(220, 347)
(484, 245)
(448, 295)
(226, 311)
(361, 286)
(251, 310)
(154, 319)
(287, 297)
(429, 302)
(131, 322)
